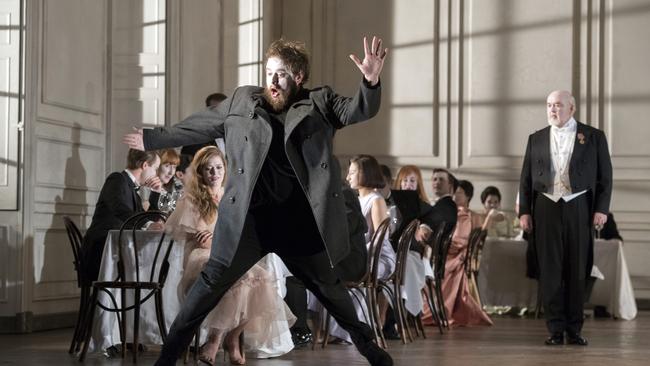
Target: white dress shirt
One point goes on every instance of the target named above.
(562, 143)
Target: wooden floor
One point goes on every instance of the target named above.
(511, 341)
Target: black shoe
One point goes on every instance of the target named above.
(375, 354)
(576, 339)
(556, 339)
(301, 337)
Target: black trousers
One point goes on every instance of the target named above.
(563, 240)
(267, 229)
(296, 299)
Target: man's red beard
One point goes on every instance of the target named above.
(283, 99)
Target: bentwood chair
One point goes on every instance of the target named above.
(152, 285)
(472, 262)
(439, 248)
(365, 291)
(393, 285)
(76, 240)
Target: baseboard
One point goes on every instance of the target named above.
(27, 322)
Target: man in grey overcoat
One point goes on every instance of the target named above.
(283, 192)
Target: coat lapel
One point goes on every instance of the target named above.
(296, 114)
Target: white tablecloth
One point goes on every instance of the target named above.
(502, 277)
(105, 328)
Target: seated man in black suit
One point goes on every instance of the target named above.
(444, 184)
(118, 200)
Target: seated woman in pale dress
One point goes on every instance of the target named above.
(461, 306)
(252, 304)
(495, 221)
(365, 176)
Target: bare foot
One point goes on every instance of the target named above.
(231, 345)
(208, 352)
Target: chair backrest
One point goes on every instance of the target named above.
(135, 223)
(403, 246)
(374, 252)
(443, 245)
(472, 242)
(475, 261)
(76, 239)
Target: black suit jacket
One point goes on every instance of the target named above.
(445, 210)
(590, 168)
(117, 202)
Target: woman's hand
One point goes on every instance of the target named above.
(204, 238)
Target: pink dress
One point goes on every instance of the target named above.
(462, 308)
(253, 298)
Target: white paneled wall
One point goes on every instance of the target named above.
(464, 84)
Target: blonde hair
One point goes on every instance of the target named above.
(407, 170)
(199, 192)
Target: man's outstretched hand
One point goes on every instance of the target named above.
(373, 60)
(134, 139)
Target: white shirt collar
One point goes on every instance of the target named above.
(135, 182)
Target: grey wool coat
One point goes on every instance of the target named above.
(310, 126)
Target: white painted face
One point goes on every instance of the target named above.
(149, 170)
(281, 84)
(213, 172)
(166, 172)
(559, 108)
(353, 176)
(410, 182)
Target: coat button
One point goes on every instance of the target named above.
(231, 199)
(335, 194)
(240, 171)
(323, 165)
(307, 137)
(246, 138)
(540, 172)
(251, 115)
(539, 161)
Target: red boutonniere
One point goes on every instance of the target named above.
(581, 138)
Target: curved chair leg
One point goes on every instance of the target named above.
(89, 318)
(431, 300)
(160, 315)
(123, 322)
(376, 319)
(136, 324)
(79, 327)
